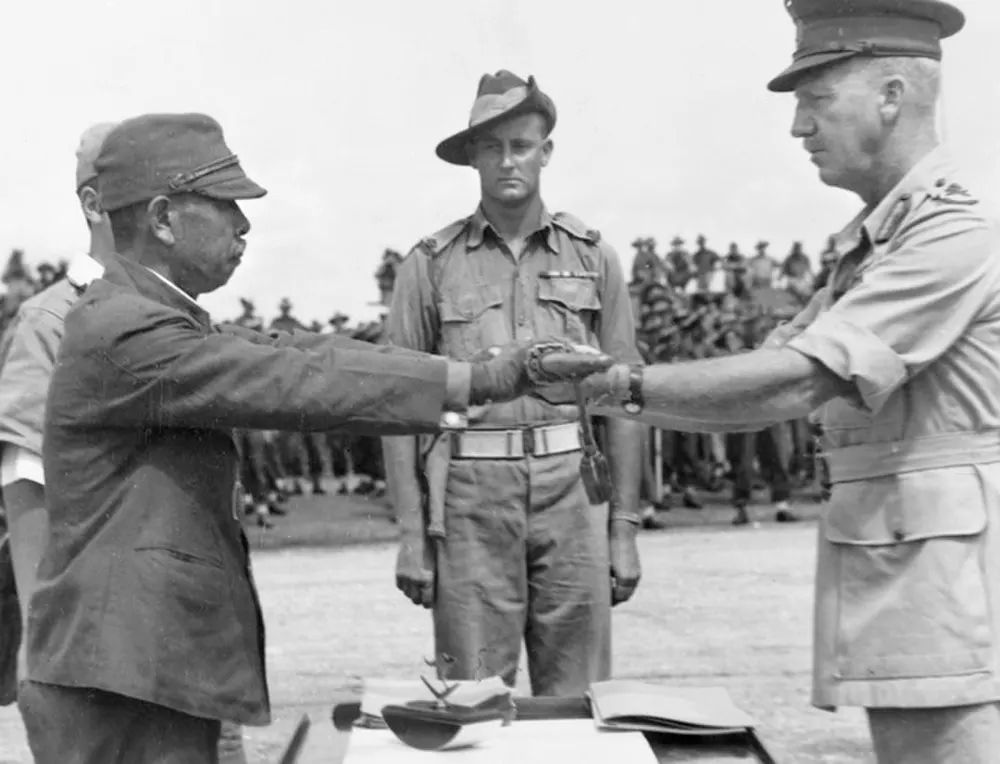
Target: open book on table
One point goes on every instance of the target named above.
(632, 705)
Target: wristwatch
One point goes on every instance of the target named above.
(634, 403)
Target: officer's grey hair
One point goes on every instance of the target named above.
(922, 76)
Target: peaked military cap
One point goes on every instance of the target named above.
(499, 97)
(830, 31)
(156, 154)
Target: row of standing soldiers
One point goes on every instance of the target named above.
(698, 305)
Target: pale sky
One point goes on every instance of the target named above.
(665, 124)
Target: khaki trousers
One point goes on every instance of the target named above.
(956, 735)
(525, 558)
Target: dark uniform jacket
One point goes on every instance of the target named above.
(145, 588)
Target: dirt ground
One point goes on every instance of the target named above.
(718, 606)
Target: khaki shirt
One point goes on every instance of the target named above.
(908, 600)
(918, 327)
(462, 291)
(28, 356)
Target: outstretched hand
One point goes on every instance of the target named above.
(557, 361)
(503, 374)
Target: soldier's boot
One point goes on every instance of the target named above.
(317, 487)
(742, 516)
(651, 519)
(690, 500)
(783, 513)
(262, 513)
(665, 503)
(274, 506)
(716, 478)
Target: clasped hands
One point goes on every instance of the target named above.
(547, 369)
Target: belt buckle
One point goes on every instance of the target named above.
(528, 441)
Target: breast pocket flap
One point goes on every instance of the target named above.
(574, 293)
(468, 306)
(912, 506)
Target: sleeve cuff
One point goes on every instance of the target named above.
(20, 464)
(458, 384)
(855, 354)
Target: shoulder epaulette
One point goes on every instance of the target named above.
(894, 219)
(575, 227)
(434, 244)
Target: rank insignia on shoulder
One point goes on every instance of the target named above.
(433, 245)
(954, 193)
(894, 219)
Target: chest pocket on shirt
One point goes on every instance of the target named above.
(472, 320)
(571, 306)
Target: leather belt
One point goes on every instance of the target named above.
(544, 440)
(952, 449)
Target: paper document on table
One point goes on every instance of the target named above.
(633, 705)
(535, 742)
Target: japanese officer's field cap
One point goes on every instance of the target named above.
(162, 154)
(830, 31)
(90, 147)
(499, 97)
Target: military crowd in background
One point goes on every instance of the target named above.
(687, 304)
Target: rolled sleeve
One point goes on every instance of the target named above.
(853, 353)
(21, 464)
(616, 331)
(911, 306)
(32, 345)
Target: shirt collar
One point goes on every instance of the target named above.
(478, 225)
(82, 270)
(175, 288)
(870, 222)
(123, 271)
(930, 170)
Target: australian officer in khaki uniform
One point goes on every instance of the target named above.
(519, 551)
(900, 354)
